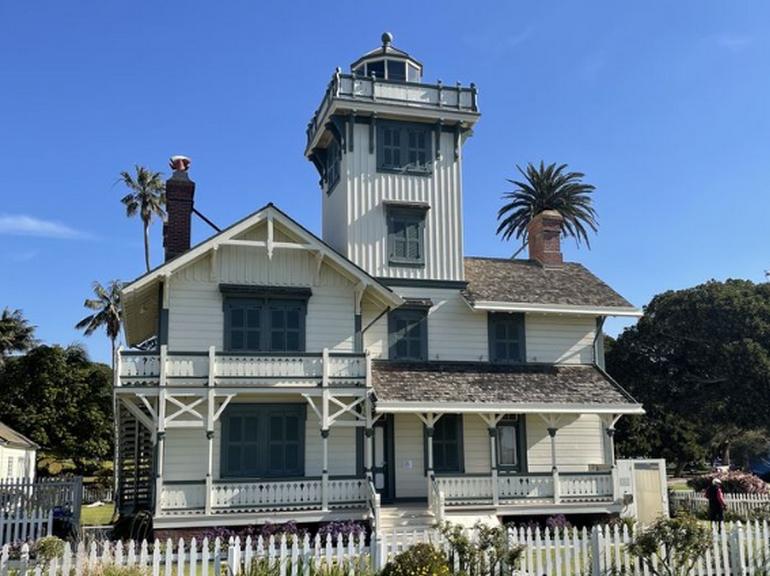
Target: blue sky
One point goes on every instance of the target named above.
(664, 106)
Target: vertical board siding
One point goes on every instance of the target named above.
(366, 226)
(409, 464)
(560, 338)
(579, 443)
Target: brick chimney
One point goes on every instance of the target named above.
(179, 206)
(544, 233)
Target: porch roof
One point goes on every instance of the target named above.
(484, 387)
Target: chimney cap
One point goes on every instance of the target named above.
(179, 163)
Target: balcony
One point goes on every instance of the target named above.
(363, 90)
(212, 368)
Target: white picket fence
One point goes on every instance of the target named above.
(743, 504)
(736, 550)
(24, 525)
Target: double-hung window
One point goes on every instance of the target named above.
(260, 321)
(408, 334)
(509, 443)
(263, 440)
(404, 147)
(506, 338)
(406, 235)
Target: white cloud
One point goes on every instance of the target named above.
(23, 225)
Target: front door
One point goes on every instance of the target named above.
(383, 458)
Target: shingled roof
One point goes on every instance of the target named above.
(527, 281)
(506, 386)
(9, 437)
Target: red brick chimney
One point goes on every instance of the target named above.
(544, 233)
(179, 207)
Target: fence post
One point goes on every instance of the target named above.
(596, 553)
(77, 499)
(737, 564)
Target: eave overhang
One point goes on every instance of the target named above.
(410, 407)
(492, 306)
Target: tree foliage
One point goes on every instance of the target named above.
(61, 400)
(548, 188)
(699, 361)
(671, 546)
(146, 198)
(107, 312)
(16, 333)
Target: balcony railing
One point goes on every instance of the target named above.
(182, 498)
(509, 489)
(222, 368)
(413, 94)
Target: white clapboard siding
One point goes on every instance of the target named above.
(196, 319)
(579, 443)
(559, 338)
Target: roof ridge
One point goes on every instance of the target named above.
(518, 261)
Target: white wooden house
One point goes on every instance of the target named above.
(306, 378)
(17, 455)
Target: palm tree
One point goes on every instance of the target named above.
(147, 198)
(548, 188)
(107, 313)
(16, 333)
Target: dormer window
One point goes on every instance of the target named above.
(404, 148)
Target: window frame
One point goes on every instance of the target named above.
(518, 423)
(519, 325)
(411, 216)
(263, 413)
(265, 304)
(392, 341)
(403, 129)
(459, 442)
(333, 165)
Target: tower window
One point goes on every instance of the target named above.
(406, 236)
(333, 159)
(404, 148)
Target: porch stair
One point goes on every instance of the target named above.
(411, 516)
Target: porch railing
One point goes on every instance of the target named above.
(262, 496)
(470, 489)
(191, 368)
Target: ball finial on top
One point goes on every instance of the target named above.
(387, 38)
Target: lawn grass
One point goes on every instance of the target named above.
(96, 515)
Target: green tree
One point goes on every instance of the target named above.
(671, 546)
(61, 400)
(699, 361)
(549, 187)
(147, 198)
(16, 333)
(107, 313)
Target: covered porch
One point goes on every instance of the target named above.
(465, 438)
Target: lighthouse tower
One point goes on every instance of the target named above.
(388, 148)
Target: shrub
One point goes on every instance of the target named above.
(112, 570)
(734, 482)
(419, 560)
(671, 546)
(345, 529)
(48, 548)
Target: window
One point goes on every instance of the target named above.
(506, 338)
(509, 443)
(377, 68)
(264, 324)
(408, 334)
(397, 70)
(406, 236)
(447, 444)
(404, 148)
(261, 440)
(333, 160)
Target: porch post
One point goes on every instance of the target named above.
(429, 474)
(493, 463)
(161, 429)
(554, 468)
(210, 434)
(368, 439)
(325, 431)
